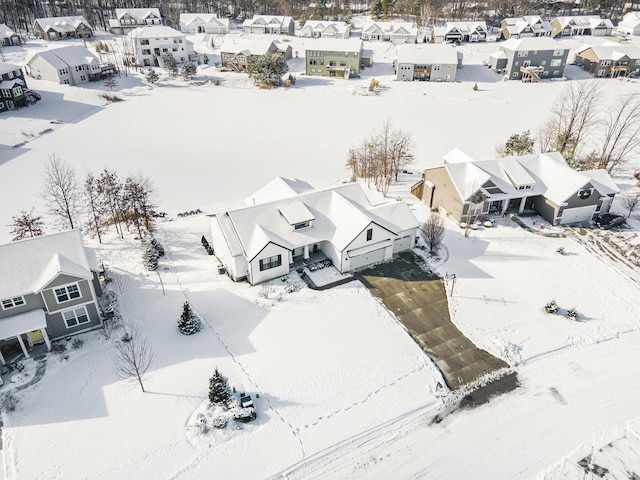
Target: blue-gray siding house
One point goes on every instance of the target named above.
(534, 58)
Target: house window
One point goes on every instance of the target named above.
(514, 74)
(10, 75)
(556, 72)
(369, 234)
(83, 78)
(12, 303)
(601, 73)
(1, 106)
(605, 63)
(17, 91)
(556, 62)
(146, 52)
(436, 67)
(523, 53)
(75, 317)
(64, 294)
(300, 225)
(6, 93)
(343, 63)
(558, 53)
(270, 262)
(637, 62)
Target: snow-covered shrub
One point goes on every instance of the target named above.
(265, 290)
(9, 402)
(58, 347)
(551, 307)
(203, 427)
(189, 323)
(560, 250)
(219, 422)
(157, 246)
(77, 343)
(126, 337)
(243, 414)
(150, 258)
(572, 314)
(219, 392)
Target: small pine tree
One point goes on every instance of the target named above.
(150, 258)
(110, 82)
(219, 391)
(152, 76)
(170, 65)
(157, 246)
(188, 71)
(189, 322)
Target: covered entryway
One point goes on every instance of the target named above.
(28, 322)
(578, 214)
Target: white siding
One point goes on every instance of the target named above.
(270, 250)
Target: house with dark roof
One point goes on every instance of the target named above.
(465, 189)
(287, 222)
(49, 289)
(61, 28)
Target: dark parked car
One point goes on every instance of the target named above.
(606, 221)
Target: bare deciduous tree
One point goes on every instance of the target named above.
(133, 357)
(110, 191)
(96, 209)
(433, 231)
(631, 202)
(26, 225)
(60, 191)
(138, 203)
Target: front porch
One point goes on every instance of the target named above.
(28, 329)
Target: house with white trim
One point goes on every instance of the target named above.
(617, 60)
(457, 32)
(426, 62)
(8, 38)
(581, 25)
(394, 32)
(62, 28)
(72, 65)
(49, 289)
(128, 19)
(527, 26)
(235, 52)
(291, 222)
(325, 29)
(465, 188)
(530, 59)
(153, 43)
(208, 23)
(13, 88)
(630, 24)
(273, 24)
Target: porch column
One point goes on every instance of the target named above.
(24, 349)
(46, 338)
(2, 360)
(505, 206)
(305, 255)
(522, 200)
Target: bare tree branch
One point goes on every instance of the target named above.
(60, 191)
(133, 357)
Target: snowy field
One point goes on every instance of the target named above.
(343, 390)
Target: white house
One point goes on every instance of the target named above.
(203, 23)
(527, 26)
(290, 222)
(390, 32)
(456, 32)
(581, 25)
(72, 65)
(426, 61)
(274, 24)
(61, 28)
(630, 24)
(325, 29)
(128, 19)
(153, 43)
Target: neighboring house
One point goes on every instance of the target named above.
(390, 32)
(542, 183)
(153, 43)
(456, 32)
(335, 58)
(128, 19)
(528, 26)
(61, 28)
(325, 29)
(235, 52)
(8, 37)
(609, 60)
(13, 88)
(273, 24)
(73, 65)
(630, 24)
(581, 25)
(263, 241)
(530, 59)
(426, 61)
(203, 23)
(49, 289)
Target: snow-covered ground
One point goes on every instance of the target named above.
(343, 390)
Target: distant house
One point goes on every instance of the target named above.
(528, 26)
(235, 52)
(609, 60)
(530, 59)
(153, 43)
(630, 24)
(277, 25)
(8, 37)
(581, 25)
(261, 241)
(13, 87)
(128, 19)
(390, 32)
(464, 188)
(49, 289)
(325, 29)
(61, 28)
(426, 61)
(203, 23)
(456, 32)
(335, 58)
(72, 65)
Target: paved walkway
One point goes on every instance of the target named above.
(419, 301)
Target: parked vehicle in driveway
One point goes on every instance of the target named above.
(606, 221)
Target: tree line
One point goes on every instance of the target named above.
(95, 202)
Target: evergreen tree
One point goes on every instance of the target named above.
(26, 225)
(188, 71)
(152, 76)
(189, 322)
(376, 9)
(150, 258)
(219, 392)
(519, 144)
(157, 247)
(267, 69)
(170, 65)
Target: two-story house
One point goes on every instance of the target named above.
(609, 60)
(203, 23)
(335, 58)
(235, 52)
(152, 44)
(8, 37)
(72, 65)
(527, 26)
(581, 25)
(456, 32)
(273, 24)
(49, 289)
(128, 19)
(325, 29)
(630, 24)
(61, 28)
(426, 62)
(530, 59)
(13, 88)
(394, 32)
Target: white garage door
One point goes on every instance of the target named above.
(374, 256)
(575, 215)
(402, 243)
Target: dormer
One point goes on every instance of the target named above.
(297, 215)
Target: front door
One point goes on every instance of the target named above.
(36, 337)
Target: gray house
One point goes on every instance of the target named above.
(425, 61)
(465, 189)
(609, 60)
(530, 59)
(8, 37)
(49, 289)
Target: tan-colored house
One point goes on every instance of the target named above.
(609, 60)
(581, 25)
(235, 52)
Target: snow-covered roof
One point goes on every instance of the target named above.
(156, 31)
(467, 27)
(139, 13)
(427, 53)
(278, 189)
(334, 45)
(23, 322)
(66, 56)
(601, 180)
(268, 20)
(390, 28)
(533, 43)
(323, 25)
(8, 67)
(584, 21)
(6, 32)
(28, 265)
(188, 18)
(254, 46)
(61, 24)
(8, 84)
(613, 51)
(339, 214)
(534, 22)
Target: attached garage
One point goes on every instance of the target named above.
(578, 214)
(367, 255)
(401, 244)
